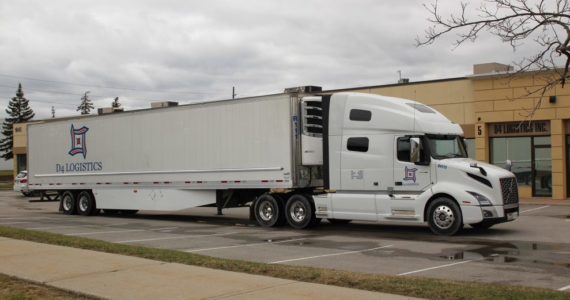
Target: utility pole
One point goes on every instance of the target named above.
(234, 92)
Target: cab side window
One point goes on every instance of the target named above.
(358, 144)
(403, 148)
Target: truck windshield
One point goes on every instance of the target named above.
(446, 146)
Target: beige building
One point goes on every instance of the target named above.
(20, 147)
(504, 118)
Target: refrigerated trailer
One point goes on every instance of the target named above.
(296, 158)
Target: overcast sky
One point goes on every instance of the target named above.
(145, 51)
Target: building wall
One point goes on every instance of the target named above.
(500, 99)
(20, 145)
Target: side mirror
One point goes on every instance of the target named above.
(508, 164)
(415, 147)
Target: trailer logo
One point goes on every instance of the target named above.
(78, 145)
(410, 174)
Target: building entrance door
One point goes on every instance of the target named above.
(542, 167)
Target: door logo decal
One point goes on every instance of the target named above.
(410, 174)
(78, 145)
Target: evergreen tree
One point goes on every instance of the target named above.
(18, 111)
(86, 105)
(116, 103)
(53, 111)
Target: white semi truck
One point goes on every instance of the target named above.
(297, 157)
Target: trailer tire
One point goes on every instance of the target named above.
(268, 211)
(300, 212)
(444, 216)
(86, 203)
(68, 203)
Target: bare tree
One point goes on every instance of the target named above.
(545, 22)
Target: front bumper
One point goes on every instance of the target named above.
(499, 214)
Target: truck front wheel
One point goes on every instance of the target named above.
(444, 216)
(68, 203)
(299, 212)
(268, 211)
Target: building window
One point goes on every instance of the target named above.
(531, 160)
(21, 162)
(359, 144)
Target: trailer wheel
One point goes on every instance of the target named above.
(86, 204)
(268, 211)
(444, 217)
(300, 212)
(68, 203)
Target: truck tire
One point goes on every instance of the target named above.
(300, 212)
(268, 211)
(444, 216)
(86, 203)
(68, 203)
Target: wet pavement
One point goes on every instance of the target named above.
(531, 251)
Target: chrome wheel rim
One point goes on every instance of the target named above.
(266, 211)
(443, 217)
(67, 203)
(298, 212)
(83, 203)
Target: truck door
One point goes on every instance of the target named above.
(410, 176)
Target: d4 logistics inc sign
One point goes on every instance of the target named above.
(79, 148)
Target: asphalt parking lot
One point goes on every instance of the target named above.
(531, 251)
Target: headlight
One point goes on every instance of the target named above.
(483, 201)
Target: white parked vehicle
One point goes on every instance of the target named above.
(297, 157)
(21, 184)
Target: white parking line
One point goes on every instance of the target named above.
(564, 288)
(244, 245)
(536, 208)
(175, 237)
(115, 231)
(433, 268)
(104, 232)
(10, 223)
(76, 226)
(325, 255)
(24, 217)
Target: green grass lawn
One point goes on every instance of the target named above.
(17, 289)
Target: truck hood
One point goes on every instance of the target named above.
(464, 164)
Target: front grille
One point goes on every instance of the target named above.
(510, 191)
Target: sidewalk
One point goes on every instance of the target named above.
(124, 277)
(544, 201)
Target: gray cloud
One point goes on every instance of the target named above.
(198, 50)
